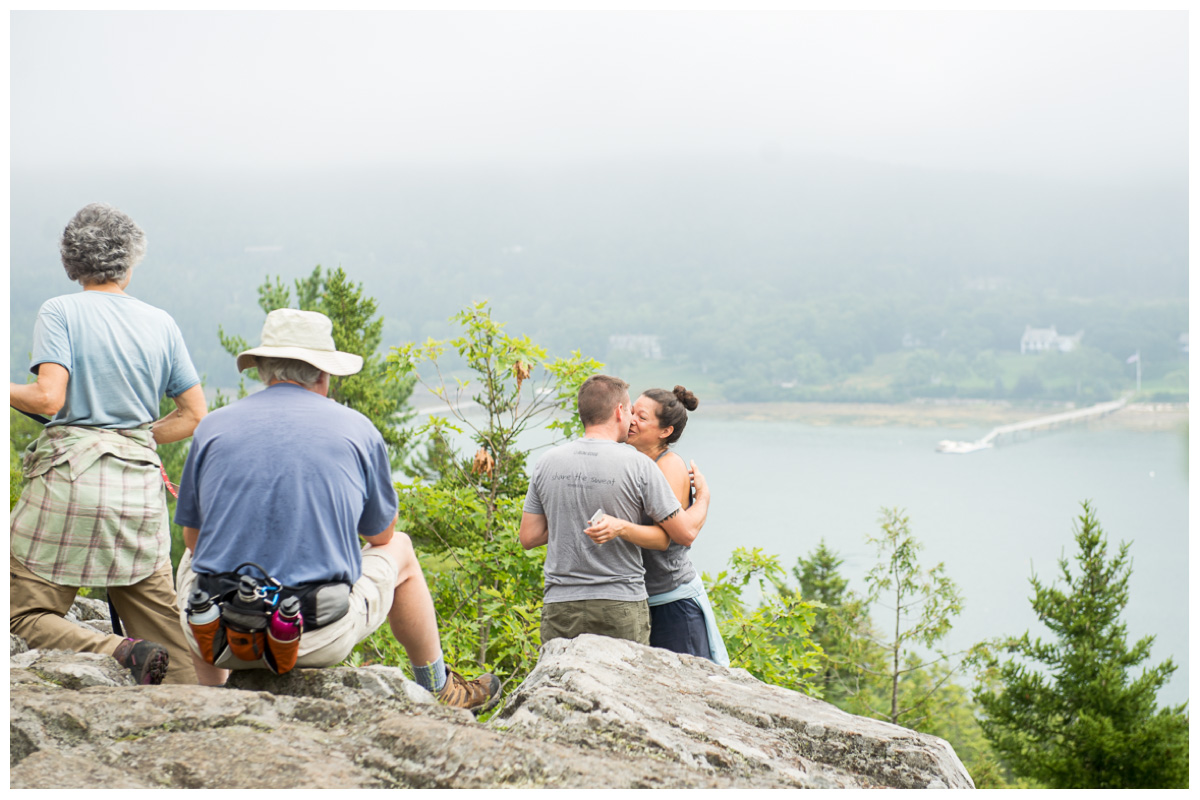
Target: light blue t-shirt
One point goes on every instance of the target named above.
(123, 356)
(287, 479)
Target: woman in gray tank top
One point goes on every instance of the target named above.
(681, 617)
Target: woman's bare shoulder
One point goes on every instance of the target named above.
(676, 473)
(671, 460)
(672, 465)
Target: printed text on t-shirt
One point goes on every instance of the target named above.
(582, 478)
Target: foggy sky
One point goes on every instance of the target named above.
(1100, 95)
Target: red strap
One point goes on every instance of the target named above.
(172, 488)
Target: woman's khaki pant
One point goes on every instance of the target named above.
(37, 611)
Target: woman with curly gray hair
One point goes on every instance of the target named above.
(94, 511)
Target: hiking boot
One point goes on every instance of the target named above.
(476, 696)
(147, 661)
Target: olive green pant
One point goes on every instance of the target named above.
(37, 611)
(620, 619)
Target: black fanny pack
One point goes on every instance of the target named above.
(320, 603)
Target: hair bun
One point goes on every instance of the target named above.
(685, 397)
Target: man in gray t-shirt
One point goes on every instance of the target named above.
(597, 585)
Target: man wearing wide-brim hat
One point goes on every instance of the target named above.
(289, 480)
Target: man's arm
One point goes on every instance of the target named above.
(380, 539)
(190, 408)
(189, 537)
(684, 527)
(650, 537)
(46, 395)
(534, 530)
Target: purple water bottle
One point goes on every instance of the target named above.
(286, 623)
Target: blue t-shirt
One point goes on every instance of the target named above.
(123, 356)
(287, 479)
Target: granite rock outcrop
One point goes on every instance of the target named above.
(595, 713)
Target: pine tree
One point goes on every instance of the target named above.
(1067, 712)
(842, 619)
(819, 578)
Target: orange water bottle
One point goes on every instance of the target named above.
(204, 618)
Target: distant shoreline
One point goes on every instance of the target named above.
(943, 414)
(913, 414)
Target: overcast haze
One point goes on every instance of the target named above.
(1100, 95)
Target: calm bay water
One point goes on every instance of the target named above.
(994, 517)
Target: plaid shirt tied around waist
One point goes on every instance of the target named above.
(94, 512)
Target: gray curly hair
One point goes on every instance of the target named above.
(100, 245)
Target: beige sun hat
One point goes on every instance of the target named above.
(305, 336)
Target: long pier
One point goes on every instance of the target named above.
(1040, 423)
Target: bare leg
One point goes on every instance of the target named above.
(412, 618)
(206, 673)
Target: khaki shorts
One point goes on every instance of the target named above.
(370, 601)
(620, 619)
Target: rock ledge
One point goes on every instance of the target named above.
(595, 713)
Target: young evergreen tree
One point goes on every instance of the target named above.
(840, 619)
(1067, 712)
(820, 580)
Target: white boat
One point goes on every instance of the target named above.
(961, 447)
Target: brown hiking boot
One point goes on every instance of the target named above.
(147, 661)
(476, 696)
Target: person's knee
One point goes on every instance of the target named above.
(400, 549)
(23, 620)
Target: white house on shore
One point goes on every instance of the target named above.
(643, 345)
(1041, 340)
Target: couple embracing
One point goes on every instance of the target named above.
(616, 514)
